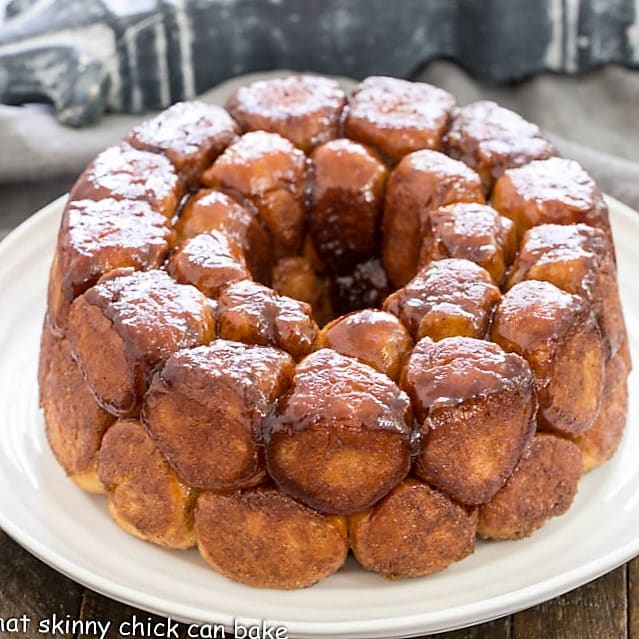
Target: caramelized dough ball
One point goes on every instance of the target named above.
(365, 286)
(263, 538)
(270, 172)
(542, 486)
(209, 261)
(146, 499)
(397, 117)
(340, 438)
(346, 203)
(446, 298)
(125, 173)
(210, 210)
(254, 314)
(413, 531)
(190, 134)
(97, 237)
(554, 191)
(599, 443)
(205, 408)
(74, 422)
(491, 139)
(128, 324)
(558, 334)
(476, 406)
(374, 337)
(578, 259)
(306, 109)
(422, 182)
(471, 231)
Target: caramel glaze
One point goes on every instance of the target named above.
(205, 409)
(190, 134)
(305, 109)
(264, 538)
(145, 496)
(339, 439)
(542, 486)
(578, 259)
(97, 237)
(270, 172)
(414, 531)
(491, 139)
(447, 297)
(346, 203)
(128, 324)
(373, 337)
(552, 191)
(366, 286)
(470, 231)
(397, 117)
(421, 182)
(209, 261)
(559, 336)
(125, 173)
(476, 406)
(211, 210)
(255, 314)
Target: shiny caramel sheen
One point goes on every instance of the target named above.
(127, 324)
(446, 298)
(346, 203)
(475, 405)
(421, 182)
(205, 409)
(255, 314)
(190, 134)
(374, 337)
(542, 486)
(491, 139)
(306, 109)
(269, 172)
(340, 437)
(397, 117)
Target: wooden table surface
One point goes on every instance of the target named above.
(607, 608)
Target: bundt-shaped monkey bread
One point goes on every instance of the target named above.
(313, 322)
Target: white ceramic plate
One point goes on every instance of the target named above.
(72, 531)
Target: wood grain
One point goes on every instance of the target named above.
(633, 598)
(499, 629)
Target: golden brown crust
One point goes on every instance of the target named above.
(127, 324)
(578, 259)
(414, 531)
(421, 182)
(470, 231)
(209, 261)
(146, 499)
(397, 117)
(190, 134)
(340, 438)
(491, 139)
(599, 443)
(205, 409)
(269, 172)
(124, 173)
(306, 109)
(476, 406)
(263, 538)
(542, 486)
(552, 191)
(254, 314)
(74, 422)
(559, 336)
(373, 337)
(446, 298)
(346, 203)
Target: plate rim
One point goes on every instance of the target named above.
(402, 626)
